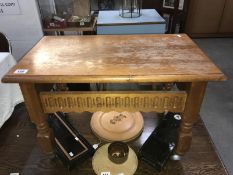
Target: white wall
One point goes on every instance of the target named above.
(25, 29)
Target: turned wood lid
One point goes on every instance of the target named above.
(117, 126)
(101, 163)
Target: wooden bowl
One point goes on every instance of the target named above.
(118, 152)
(101, 162)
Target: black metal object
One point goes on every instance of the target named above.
(161, 143)
(71, 147)
(176, 17)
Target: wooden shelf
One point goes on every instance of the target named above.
(77, 29)
(30, 159)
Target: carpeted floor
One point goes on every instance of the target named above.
(217, 109)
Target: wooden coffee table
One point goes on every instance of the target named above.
(114, 59)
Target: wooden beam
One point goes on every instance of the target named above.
(146, 101)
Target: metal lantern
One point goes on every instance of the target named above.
(130, 8)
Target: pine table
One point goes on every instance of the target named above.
(114, 59)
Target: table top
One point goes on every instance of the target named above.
(3, 55)
(115, 58)
(10, 94)
(112, 17)
(6, 61)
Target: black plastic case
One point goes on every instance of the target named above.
(161, 143)
(71, 147)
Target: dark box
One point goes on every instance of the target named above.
(160, 145)
(71, 147)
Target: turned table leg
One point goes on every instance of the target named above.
(33, 104)
(196, 91)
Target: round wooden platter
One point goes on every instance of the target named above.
(101, 163)
(116, 126)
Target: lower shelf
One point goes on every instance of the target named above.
(22, 154)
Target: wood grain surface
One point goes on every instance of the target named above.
(190, 115)
(115, 58)
(20, 153)
(106, 101)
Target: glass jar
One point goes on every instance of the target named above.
(130, 8)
